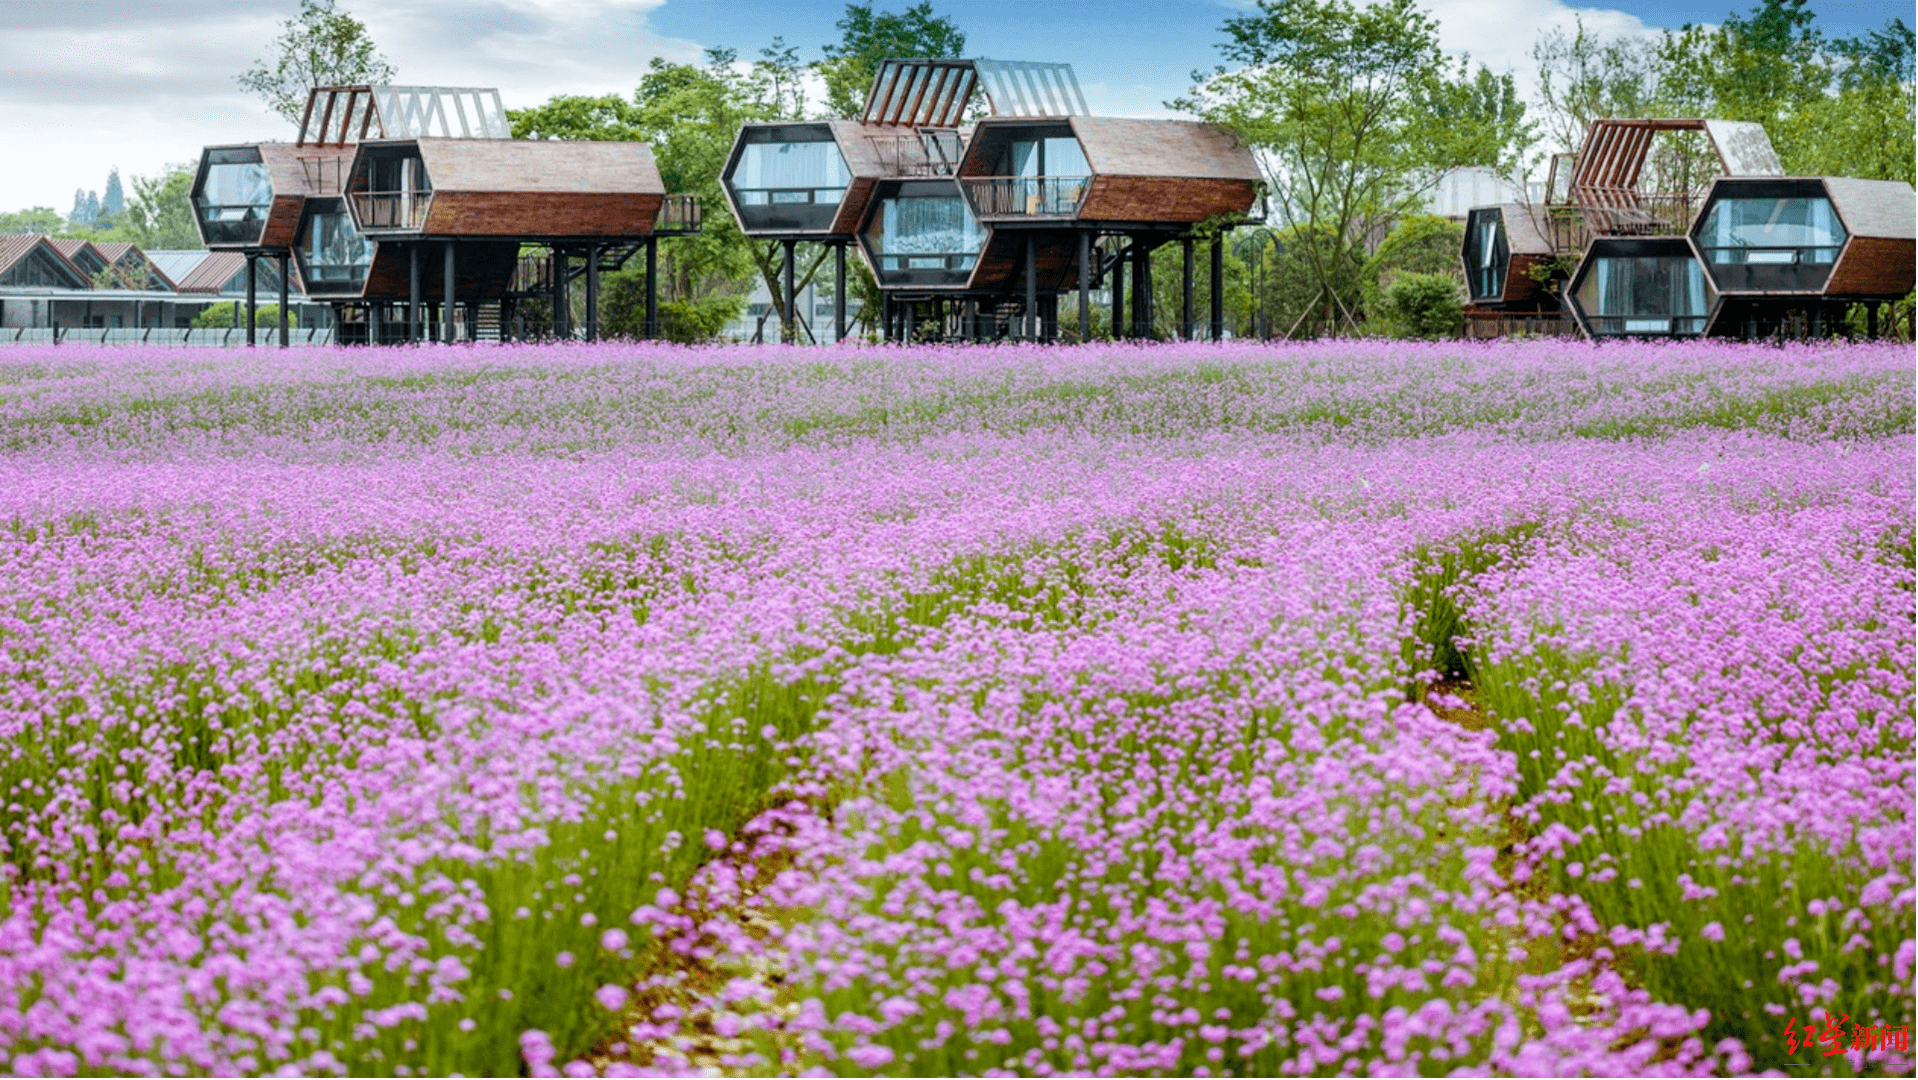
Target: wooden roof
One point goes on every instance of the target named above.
(920, 93)
(1874, 208)
(539, 166)
(1525, 228)
(1173, 148)
(16, 247)
(342, 115)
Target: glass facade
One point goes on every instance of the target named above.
(1787, 230)
(234, 197)
(780, 173)
(915, 231)
(334, 255)
(1633, 293)
(1486, 253)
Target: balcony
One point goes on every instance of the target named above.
(931, 152)
(1026, 196)
(679, 215)
(1609, 213)
(391, 211)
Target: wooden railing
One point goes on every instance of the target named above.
(1604, 213)
(679, 214)
(325, 173)
(401, 211)
(1026, 196)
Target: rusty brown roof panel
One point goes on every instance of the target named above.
(537, 167)
(1525, 231)
(1875, 208)
(1172, 148)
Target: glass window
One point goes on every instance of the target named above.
(234, 200)
(927, 232)
(1054, 156)
(790, 172)
(1772, 230)
(334, 253)
(1658, 294)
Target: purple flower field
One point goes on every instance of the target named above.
(1528, 708)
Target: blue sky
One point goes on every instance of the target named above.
(85, 87)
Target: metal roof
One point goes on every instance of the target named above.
(17, 246)
(1020, 88)
(935, 93)
(177, 264)
(337, 115)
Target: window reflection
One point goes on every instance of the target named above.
(1645, 294)
(926, 232)
(1772, 230)
(235, 197)
(779, 173)
(334, 256)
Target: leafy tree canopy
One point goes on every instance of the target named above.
(868, 37)
(321, 46)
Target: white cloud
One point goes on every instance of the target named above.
(88, 87)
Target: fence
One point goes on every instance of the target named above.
(156, 335)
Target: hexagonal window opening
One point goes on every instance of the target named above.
(921, 232)
(391, 190)
(788, 177)
(334, 255)
(1643, 288)
(233, 195)
(1032, 171)
(1487, 255)
(1770, 236)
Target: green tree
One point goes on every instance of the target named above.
(222, 316)
(321, 46)
(867, 37)
(38, 219)
(1422, 244)
(1356, 112)
(1423, 306)
(1582, 78)
(689, 115)
(160, 216)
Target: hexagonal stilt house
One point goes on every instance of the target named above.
(398, 199)
(1630, 246)
(1050, 188)
(1791, 254)
(977, 231)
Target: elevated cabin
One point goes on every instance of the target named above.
(1651, 287)
(1024, 171)
(813, 181)
(1503, 246)
(1824, 236)
(249, 197)
(524, 190)
(920, 234)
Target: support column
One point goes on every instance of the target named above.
(1085, 286)
(472, 320)
(1185, 294)
(374, 323)
(652, 288)
(1117, 275)
(592, 292)
(885, 316)
(562, 319)
(1218, 287)
(252, 293)
(286, 334)
(447, 309)
(413, 328)
(1141, 292)
(1030, 321)
(839, 291)
(789, 325)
